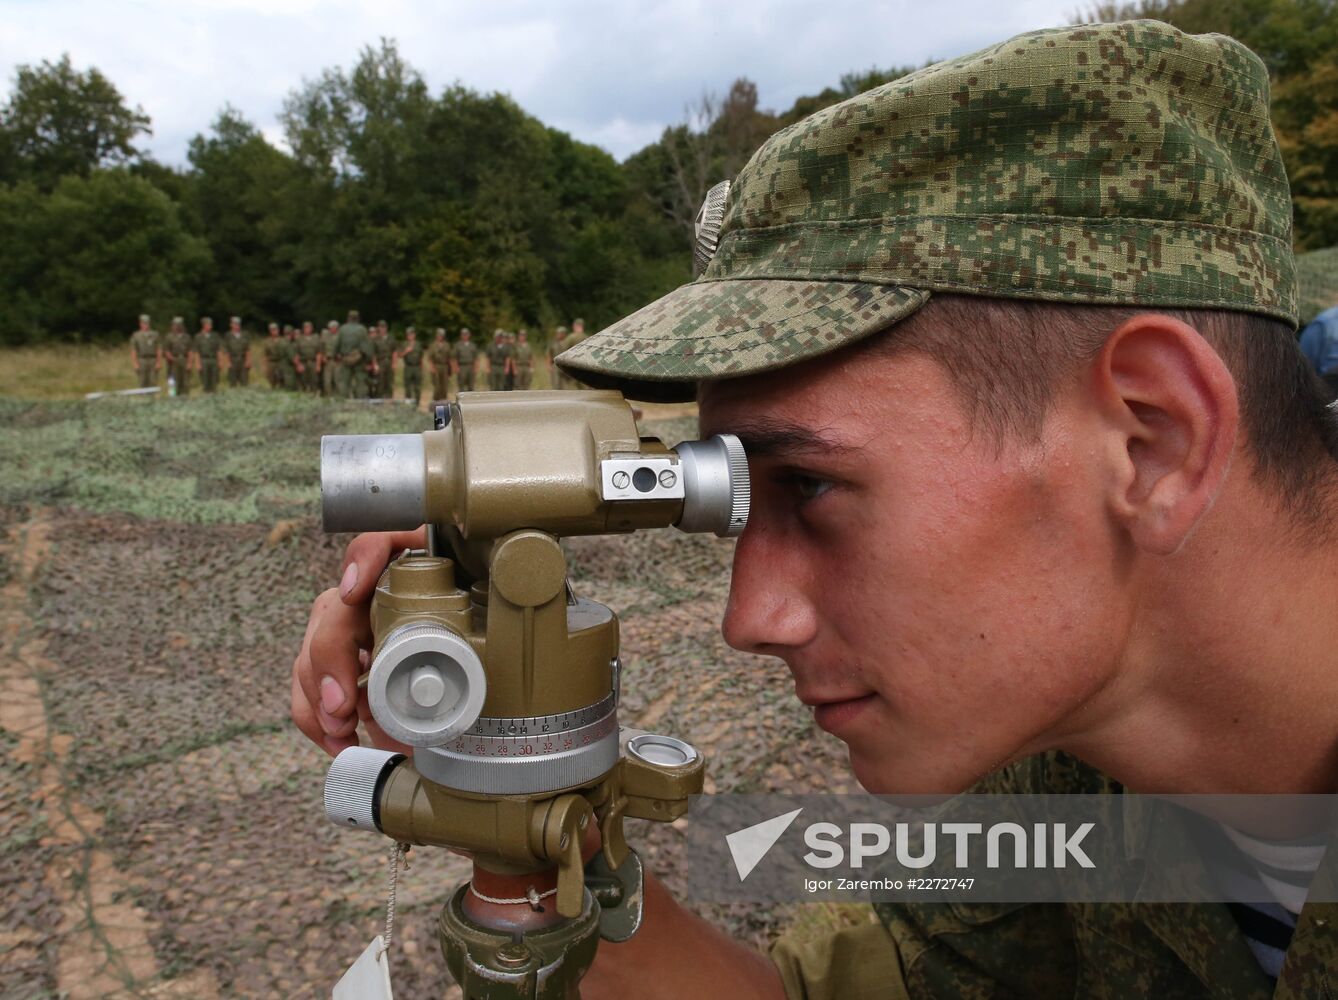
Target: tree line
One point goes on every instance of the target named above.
(450, 209)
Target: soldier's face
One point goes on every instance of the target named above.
(946, 605)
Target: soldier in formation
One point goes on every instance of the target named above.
(176, 354)
(439, 364)
(237, 346)
(411, 357)
(466, 358)
(523, 361)
(205, 349)
(496, 362)
(385, 361)
(355, 358)
(145, 353)
(325, 359)
(272, 349)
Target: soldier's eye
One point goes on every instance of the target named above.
(807, 488)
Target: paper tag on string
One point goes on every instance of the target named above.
(368, 978)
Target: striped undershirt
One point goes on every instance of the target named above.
(1269, 880)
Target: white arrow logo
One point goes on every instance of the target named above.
(750, 845)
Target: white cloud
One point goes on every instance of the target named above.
(613, 73)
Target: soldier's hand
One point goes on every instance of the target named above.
(327, 704)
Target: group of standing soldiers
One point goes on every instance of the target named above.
(351, 360)
(184, 354)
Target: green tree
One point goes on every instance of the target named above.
(61, 121)
(87, 257)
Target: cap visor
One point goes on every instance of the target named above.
(711, 330)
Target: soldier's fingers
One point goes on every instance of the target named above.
(330, 677)
(367, 555)
(305, 718)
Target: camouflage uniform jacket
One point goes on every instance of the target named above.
(327, 342)
(412, 355)
(385, 350)
(353, 345)
(308, 346)
(1097, 951)
(145, 343)
(237, 346)
(207, 344)
(178, 346)
(465, 353)
(440, 355)
(524, 355)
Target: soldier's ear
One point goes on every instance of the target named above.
(1167, 414)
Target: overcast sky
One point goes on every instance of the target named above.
(610, 73)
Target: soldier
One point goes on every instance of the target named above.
(439, 363)
(465, 359)
(496, 362)
(411, 356)
(557, 378)
(523, 361)
(273, 354)
(325, 360)
(145, 353)
(206, 348)
(290, 360)
(385, 361)
(176, 352)
(354, 354)
(577, 336)
(509, 360)
(309, 351)
(237, 346)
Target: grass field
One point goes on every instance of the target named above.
(161, 826)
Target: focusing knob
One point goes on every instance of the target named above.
(353, 783)
(717, 490)
(426, 685)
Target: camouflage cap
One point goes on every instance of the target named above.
(1123, 163)
(144, 317)
(235, 319)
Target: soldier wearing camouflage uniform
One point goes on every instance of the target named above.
(576, 336)
(354, 355)
(145, 353)
(496, 362)
(206, 347)
(523, 361)
(465, 358)
(385, 361)
(326, 359)
(411, 357)
(557, 378)
(1010, 344)
(176, 353)
(273, 351)
(237, 346)
(309, 351)
(439, 363)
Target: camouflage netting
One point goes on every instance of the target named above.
(184, 554)
(1317, 282)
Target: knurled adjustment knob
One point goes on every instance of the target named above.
(353, 783)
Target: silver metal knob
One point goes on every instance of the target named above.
(352, 784)
(717, 490)
(426, 685)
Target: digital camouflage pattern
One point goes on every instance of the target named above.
(1106, 951)
(1123, 163)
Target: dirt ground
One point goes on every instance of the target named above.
(162, 833)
